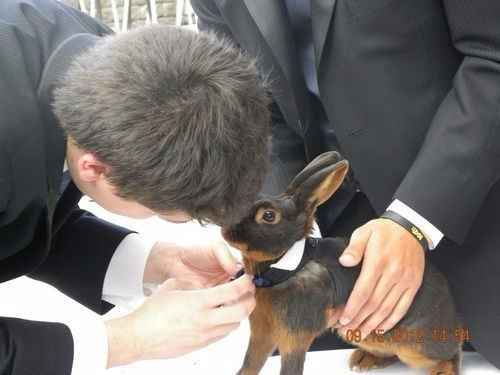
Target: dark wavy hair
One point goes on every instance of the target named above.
(182, 119)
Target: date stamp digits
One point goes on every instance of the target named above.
(414, 336)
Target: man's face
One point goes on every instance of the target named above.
(106, 198)
(89, 175)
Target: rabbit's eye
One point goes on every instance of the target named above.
(265, 215)
(269, 216)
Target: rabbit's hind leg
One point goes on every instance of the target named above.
(412, 356)
(450, 367)
(362, 360)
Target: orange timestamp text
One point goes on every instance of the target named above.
(412, 335)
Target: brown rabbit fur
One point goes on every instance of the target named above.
(290, 315)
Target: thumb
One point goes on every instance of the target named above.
(229, 263)
(353, 253)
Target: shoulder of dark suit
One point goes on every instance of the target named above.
(30, 31)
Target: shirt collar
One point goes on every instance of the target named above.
(291, 260)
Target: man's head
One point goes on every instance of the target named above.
(168, 121)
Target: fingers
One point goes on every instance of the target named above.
(353, 253)
(381, 291)
(226, 259)
(227, 293)
(333, 317)
(362, 291)
(233, 313)
(399, 311)
(383, 312)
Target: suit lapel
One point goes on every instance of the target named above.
(257, 22)
(321, 13)
(273, 23)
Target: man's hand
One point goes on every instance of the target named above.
(391, 274)
(204, 265)
(178, 319)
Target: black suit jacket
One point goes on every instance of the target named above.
(43, 234)
(411, 90)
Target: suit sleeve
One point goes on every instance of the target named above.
(79, 258)
(30, 347)
(460, 158)
(287, 148)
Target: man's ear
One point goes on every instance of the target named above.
(319, 187)
(89, 168)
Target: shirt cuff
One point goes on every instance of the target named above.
(124, 280)
(433, 235)
(90, 343)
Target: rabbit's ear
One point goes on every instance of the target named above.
(318, 188)
(320, 162)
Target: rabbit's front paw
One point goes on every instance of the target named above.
(361, 360)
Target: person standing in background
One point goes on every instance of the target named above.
(409, 92)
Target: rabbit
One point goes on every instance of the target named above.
(294, 307)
